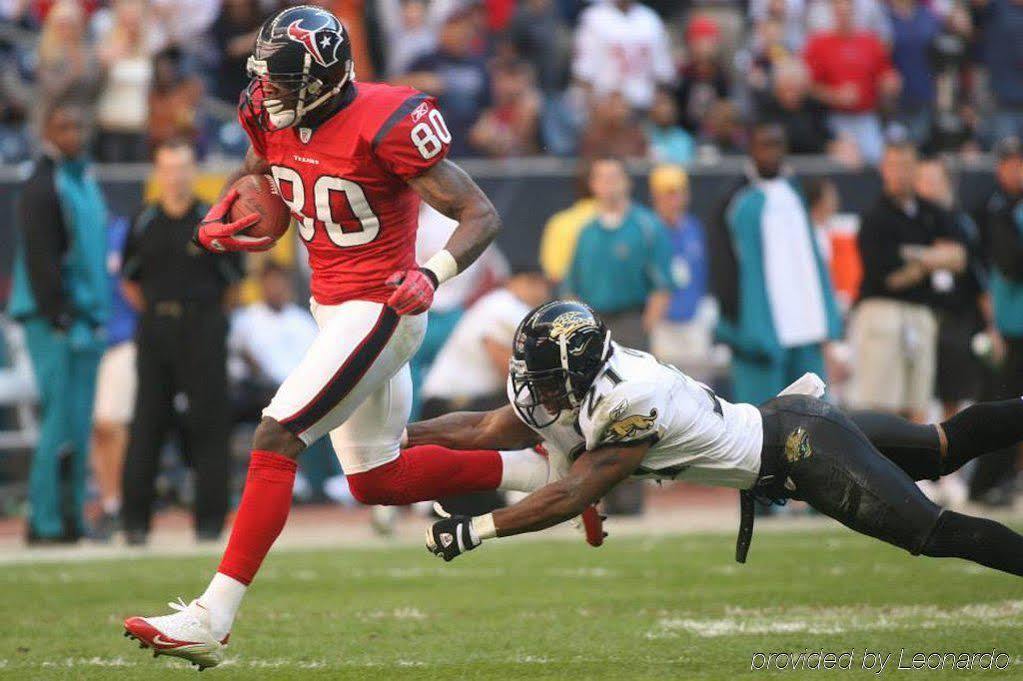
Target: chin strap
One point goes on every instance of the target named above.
(302, 109)
(259, 67)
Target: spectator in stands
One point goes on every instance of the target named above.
(234, 33)
(16, 103)
(184, 23)
(470, 370)
(622, 262)
(173, 100)
(998, 209)
(123, 109)
(791, 14)
(613, 129)
(778, 307)
(955, 118)
(455, 75)
(539, 35)
(1002, 25)
(703, 80)
(791, 105)
(669, 142)
(959, 295)
(915, 27)
(408, 32)
(682, 336)
(115, 390)
(269, 337)
(992, 482)
(509, 126)
(182, 353)
(758, 61)
(723, 130)
(67, 66)
(868, 15)
(852, 74)
(561, 233)
(822, 202)
(622, 46)
(60, 295)
(904, 242)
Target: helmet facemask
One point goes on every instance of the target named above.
(279, 101)
(543, 396)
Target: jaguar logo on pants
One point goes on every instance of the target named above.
(797, 445)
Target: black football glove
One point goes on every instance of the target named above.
(451, 537)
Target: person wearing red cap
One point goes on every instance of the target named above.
(703, 81)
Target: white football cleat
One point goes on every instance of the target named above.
(185, 634)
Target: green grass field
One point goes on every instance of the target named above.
(636, 609)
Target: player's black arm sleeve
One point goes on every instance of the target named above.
(592, 476)
(45, 240)
(497, 429)
(453, 193)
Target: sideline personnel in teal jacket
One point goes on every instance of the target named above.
(778, 306)
(60, 294)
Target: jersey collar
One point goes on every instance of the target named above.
(312, 122)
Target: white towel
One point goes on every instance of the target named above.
(790, 267)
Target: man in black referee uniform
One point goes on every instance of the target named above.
(181, 292)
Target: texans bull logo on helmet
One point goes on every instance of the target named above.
(321, 43)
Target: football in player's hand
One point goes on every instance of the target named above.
(258, 194)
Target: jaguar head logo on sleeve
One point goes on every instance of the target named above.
(624, 427)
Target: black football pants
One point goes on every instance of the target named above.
(833, 465)
(182, 386)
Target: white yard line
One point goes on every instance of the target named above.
(839, 620)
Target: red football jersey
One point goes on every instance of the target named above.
(346, 183)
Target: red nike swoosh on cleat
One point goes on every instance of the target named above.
(151, 635)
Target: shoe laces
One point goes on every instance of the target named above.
(180, 605)
(186, 608)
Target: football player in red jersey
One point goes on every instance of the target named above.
(352, 160)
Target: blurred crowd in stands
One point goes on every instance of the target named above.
(669, 80)
(914, 306)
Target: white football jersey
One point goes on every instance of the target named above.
(695, 434)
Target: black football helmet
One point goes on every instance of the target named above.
(557, 353)
(302, 59)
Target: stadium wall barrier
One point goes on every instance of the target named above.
(528, 191)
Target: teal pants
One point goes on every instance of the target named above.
(65, 368)
(756, 381)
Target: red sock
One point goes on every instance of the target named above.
(428, 472)
(261, 514)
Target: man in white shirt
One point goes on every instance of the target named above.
(472, 366)
(269, 338)
(622, 46)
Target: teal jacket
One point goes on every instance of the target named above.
(614, 270)
(751, 333)
(60, 257)
(1007, 275)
